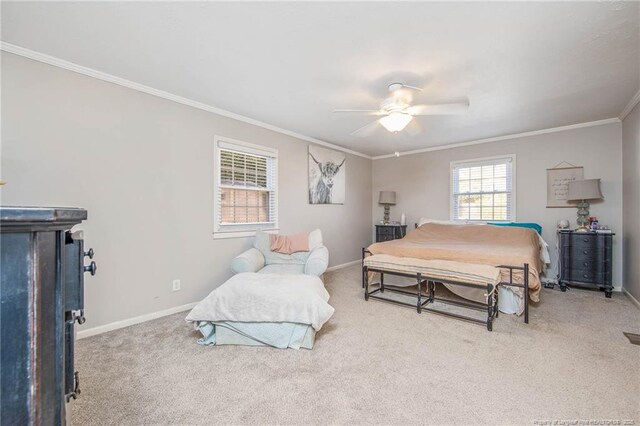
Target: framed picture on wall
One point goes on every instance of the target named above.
(327, 176)
(558, 179)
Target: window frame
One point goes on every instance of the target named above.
(474, 161)
(241, 230)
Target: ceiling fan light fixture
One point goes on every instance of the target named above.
(396, 121)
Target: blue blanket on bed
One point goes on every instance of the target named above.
(535, 226)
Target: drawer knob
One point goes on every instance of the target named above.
(79, 317)
(586, 264)
(586, 252)
(89, 253)
(91, 268)
(585, 275)
(586, 240)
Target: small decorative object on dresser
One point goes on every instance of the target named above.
(585, 258)
(583, 190)
(390, 232)
(387, 198)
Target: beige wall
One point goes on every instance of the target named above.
(143, 168)
(422, 180)
(631, 200)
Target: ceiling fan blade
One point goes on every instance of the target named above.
(441, 109)
(394, 87)
(412, 87)
(366, 130)
(358, 111)
(413, 128)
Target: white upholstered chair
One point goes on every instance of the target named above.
(262, 260)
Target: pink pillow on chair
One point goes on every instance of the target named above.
(288, 244)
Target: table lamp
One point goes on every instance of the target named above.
(583, 190)
(387, 198)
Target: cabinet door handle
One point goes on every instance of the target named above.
(91, 268)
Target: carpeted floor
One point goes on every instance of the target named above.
(375, 362)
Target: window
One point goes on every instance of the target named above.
(245, 190)
(483, 189)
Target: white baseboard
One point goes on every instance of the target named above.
(633, 299)
(132, 321)
(343, 265)
(159, 314)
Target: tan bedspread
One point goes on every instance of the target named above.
(479, 244)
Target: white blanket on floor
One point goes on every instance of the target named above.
(251, 297)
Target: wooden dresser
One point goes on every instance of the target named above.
(42, 296)
(585, 258)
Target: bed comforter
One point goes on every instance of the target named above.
(485, 245)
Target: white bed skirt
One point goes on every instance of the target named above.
(278, 335)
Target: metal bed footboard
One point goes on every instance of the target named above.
(423, 300)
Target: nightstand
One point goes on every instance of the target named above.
(585, 258)
(390, 232)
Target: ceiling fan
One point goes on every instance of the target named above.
(397, 112)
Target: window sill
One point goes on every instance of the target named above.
(242, 234)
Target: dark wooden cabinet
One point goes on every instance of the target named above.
(585, 258)
(390, 232)
(42, 298)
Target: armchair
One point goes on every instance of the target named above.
(262, 260)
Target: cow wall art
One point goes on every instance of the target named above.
(327, 176)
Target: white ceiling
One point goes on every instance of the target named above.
(523, 66)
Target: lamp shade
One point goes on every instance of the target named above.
(587, 189)
(387, 197)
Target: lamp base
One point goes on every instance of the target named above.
(386, 214)
(583, 217)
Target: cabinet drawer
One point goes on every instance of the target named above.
(580, 241)
(382, 238)
(584, 275)
(590, 264)
(570, 254)
(385, 231)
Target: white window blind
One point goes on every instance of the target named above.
(246, 188)
(483, 189)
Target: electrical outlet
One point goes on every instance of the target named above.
(176, 285)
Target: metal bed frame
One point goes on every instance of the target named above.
(423, 300)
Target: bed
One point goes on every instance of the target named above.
(277, 310)
(472, 244)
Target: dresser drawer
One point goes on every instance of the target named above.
(584, 254)
(581, 241)
(584, 275)
(592, 264)
(384, 231)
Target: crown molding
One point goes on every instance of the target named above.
(61, 63)
(502, 138)
(632, 103)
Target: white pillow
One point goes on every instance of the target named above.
(315, 239)
(424, 220)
